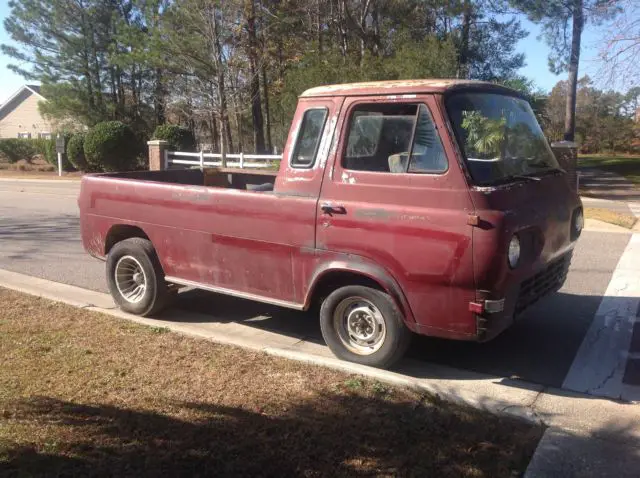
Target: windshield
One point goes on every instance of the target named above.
(500, 137)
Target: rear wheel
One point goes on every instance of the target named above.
(135, 277)
(364, 325)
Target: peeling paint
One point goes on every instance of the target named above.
(347, 178)
(95, 245)
(412, 217)
(373, 213)
(325, 144)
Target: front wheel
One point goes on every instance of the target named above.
(135, 277)
(364, 325)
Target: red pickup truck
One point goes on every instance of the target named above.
(428, 206)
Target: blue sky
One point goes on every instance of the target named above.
(536, 52)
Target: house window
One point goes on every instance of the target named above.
(44, 135)
(24, 135)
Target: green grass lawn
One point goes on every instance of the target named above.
(625, 165)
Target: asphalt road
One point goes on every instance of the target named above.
(40, 233)
(39, 236)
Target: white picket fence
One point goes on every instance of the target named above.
(202, 160)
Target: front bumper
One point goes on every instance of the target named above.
(521, 296)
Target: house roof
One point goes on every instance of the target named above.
(32, 89)
(395, 87)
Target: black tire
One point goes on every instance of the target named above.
(392, 346)
(156, 295)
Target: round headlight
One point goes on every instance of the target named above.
(514, 252)
(578, 221)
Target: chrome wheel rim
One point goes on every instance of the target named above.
(130, 279)
(360, 325)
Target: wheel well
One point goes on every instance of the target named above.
(120, 233)
(335, 279)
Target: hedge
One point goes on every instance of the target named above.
(15, 149)
(111, 146)
(47, 148)
(178, 137)
(75, 152)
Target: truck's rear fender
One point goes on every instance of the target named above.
(99, 235)
(120, 232)
(353, 270)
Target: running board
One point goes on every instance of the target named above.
(235, 293)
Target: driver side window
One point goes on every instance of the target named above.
(393, 138)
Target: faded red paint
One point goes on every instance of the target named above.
(412, 233)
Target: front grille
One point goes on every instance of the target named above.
(547, 280)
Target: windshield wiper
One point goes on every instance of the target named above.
(523, 177)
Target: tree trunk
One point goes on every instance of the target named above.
(214, 131)
(236, 113)
(463, 58)
(121, 94)
(159, 98)
(318, 29)
(114, 92)
(85, 61)
(222, 97)
(363, 28)
(96, 74)
(375, 17)
(342, 29)
(267, 112)
(574, 61)
(254, 86)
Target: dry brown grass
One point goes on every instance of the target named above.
(612, 217)
(38, 168)
(85, 394)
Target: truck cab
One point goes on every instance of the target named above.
(428, 206)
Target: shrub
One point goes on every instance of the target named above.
(111, 146)
(75, 152)
(47, 148)
(15, 149)
(178, 137)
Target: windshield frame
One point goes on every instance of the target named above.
(507, 179)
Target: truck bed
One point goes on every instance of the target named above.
(229, 178)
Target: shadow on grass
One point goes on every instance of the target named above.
(338, 435)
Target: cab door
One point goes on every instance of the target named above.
(395, 196)
(255, 241)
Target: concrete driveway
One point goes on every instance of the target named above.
(39, 236)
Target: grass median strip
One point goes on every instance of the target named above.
(624, 220)
(84, 394)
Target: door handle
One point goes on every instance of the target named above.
(331, 209)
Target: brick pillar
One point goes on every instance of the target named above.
(157, 147)
(567, 155)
